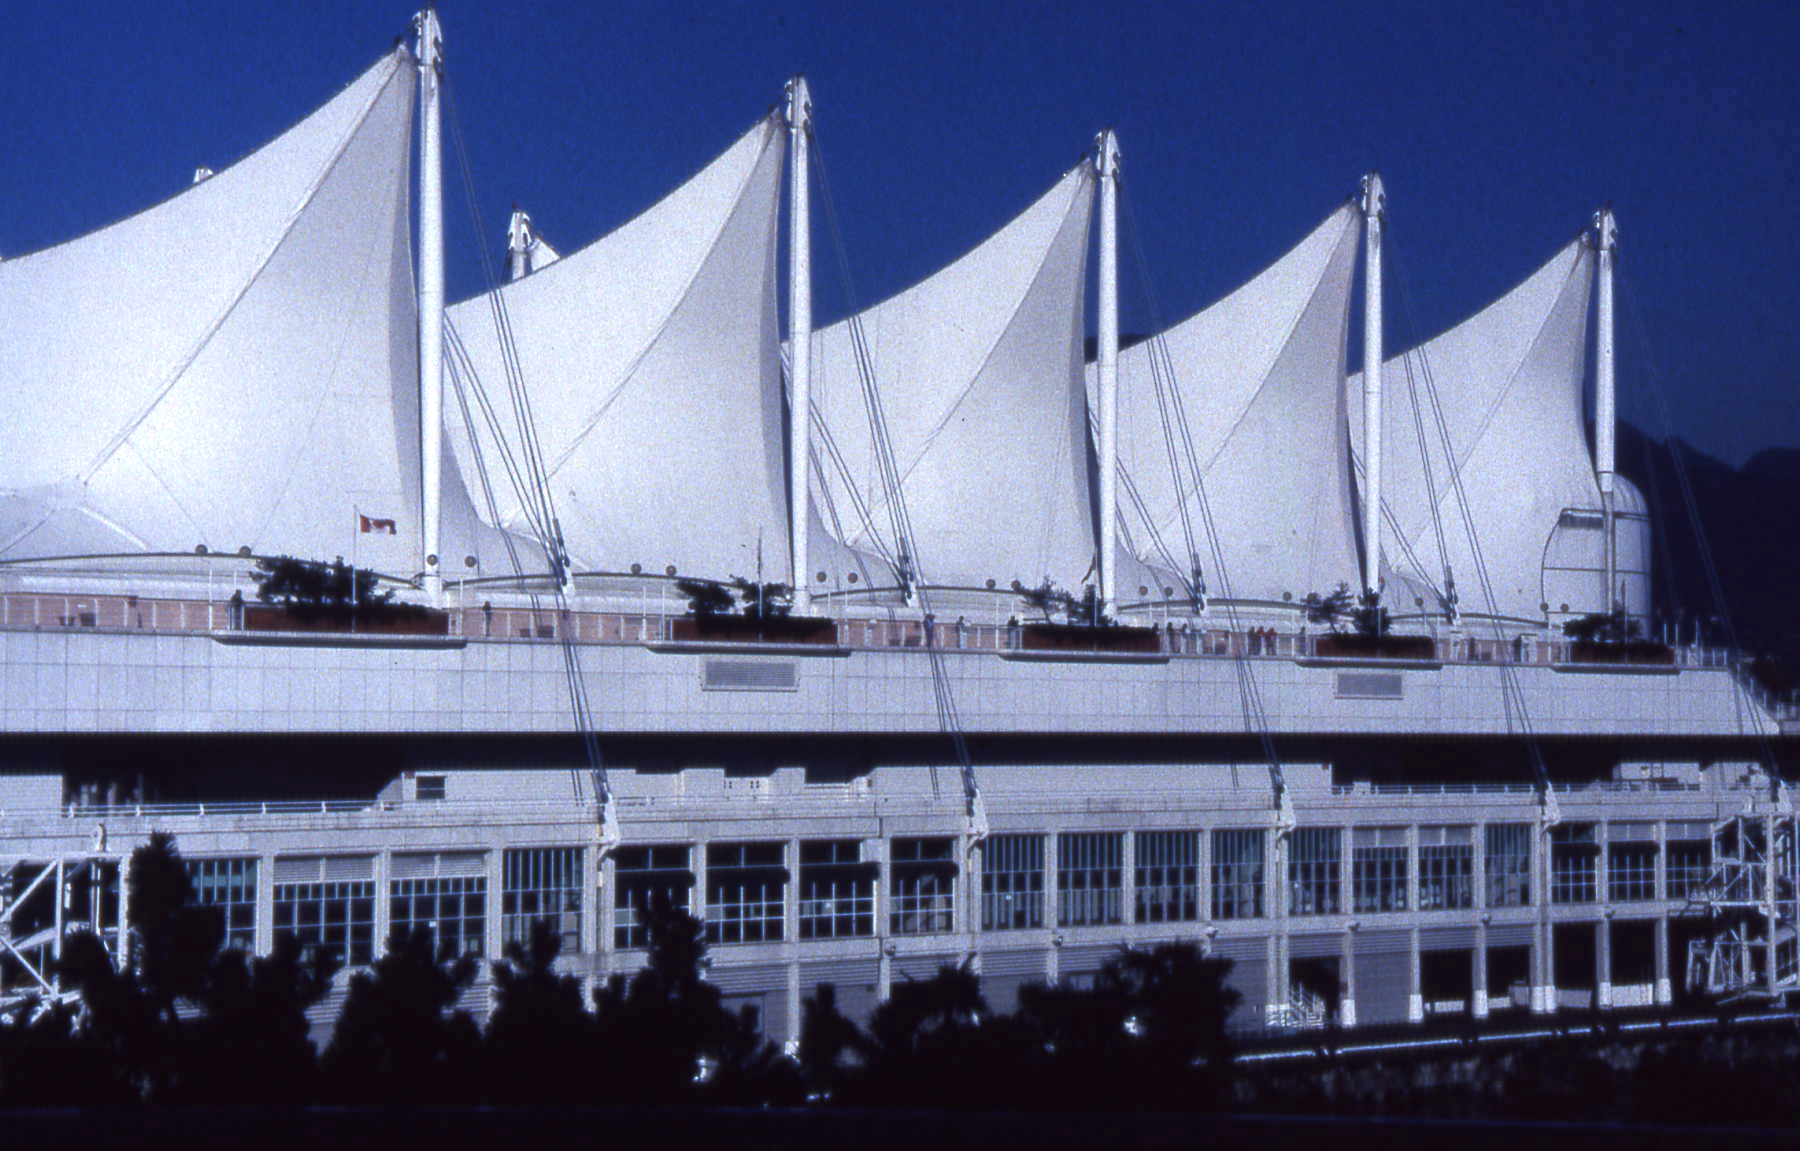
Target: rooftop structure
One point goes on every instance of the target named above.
(917, 638)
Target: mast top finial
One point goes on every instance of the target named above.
(799, 102)
(1106, 153)
(430, 48)
(1606, 230)
(1374, 195)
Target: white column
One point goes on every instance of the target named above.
(799, 118)
(1478, 994)
(1374, 207)
(1106, 163)
(518, 245)
(1606, 241)
(431, 299)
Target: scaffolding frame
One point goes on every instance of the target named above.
(43, 902)
(1752, 902)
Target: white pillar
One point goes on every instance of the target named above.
(431, 299)
(1606, 241)
(1374, 207)
(518, 245)
(799, 118)
(1106, 163)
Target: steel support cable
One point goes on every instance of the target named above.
(943, 693)
(823, 441)
(886, 463)
(1512, 694)
(1249, 690)
(1715, 586)
(463, 375)
(1128, 485)
(519, 395)
(539, 492)
(1162, 385)
(1431, 494)
(820, 440)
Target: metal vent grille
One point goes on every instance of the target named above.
(1370, 685)
(749, 675)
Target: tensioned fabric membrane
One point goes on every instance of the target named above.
(1508, 383)
(979, 368)
(1256, 381)
(234, 367)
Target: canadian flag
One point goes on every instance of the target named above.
(374, 525)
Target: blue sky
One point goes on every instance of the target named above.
(1243, 125)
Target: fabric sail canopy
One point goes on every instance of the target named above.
(234, 367)
(1257, 381)
(978, 370)
(652, 363)
(1508, 385)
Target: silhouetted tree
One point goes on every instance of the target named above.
(1603, 627)
(1177, 1005)
(130, 1009)
(306, 584)
(1370, 618)
(936, 1040)
(764, 600)
(752, 1070)
(540, 1039)
(829, 1043)
(1329, 610)
(48, 1060)
(398, 1039)
(705, 598)
(657, 1030)
(251, 1044)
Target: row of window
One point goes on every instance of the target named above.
(332, 908)
(444, 894)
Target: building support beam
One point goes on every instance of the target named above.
(1478, 979)
(431, 300)
(1415, 976)
(1606, 242)
(799, 119)
(1665, 987)
(1374, 209)
(1106, 368)
(1603, 963)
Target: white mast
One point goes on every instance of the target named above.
(1374, 207)
(799, 118)
(1606, 240)
(518, 245)
(1106, 164)
(431, 298)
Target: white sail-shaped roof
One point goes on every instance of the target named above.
(1509, 389)
(652, 363)
(979, 371)
(232, 367)
(1259, 380)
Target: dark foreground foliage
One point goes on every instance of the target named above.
(187, 1024)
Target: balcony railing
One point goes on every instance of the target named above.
(34, 611)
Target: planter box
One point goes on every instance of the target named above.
(1637, 651)
(743, 629)
(1079, 637)
(362, 621)
(1377, 647)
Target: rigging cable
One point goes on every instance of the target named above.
(943, 693)
(1249, 689)
(1512, 694)
(534, 493)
